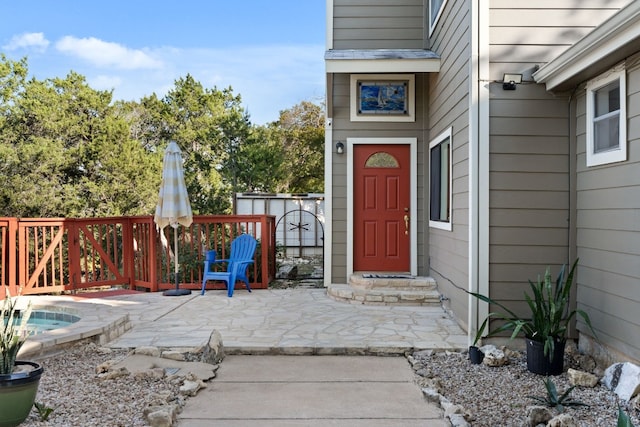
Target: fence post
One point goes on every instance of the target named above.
(73, 237)
(127, 250)
(12, 258)
(153, 257)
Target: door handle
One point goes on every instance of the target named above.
(406, 224)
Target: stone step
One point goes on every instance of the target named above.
(384, 296)
(392, 281)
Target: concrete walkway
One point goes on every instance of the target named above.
(267, 378)
(274, 391)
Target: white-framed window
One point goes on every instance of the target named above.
(435, 10)
(383, 98)
(606, 118)
(440, 181)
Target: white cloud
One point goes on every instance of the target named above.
(268, 78)
(103, 82)
(106, 54)
(35, 41)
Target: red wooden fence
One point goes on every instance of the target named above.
(61, 254)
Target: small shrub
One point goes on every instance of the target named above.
(552, 399)
(43, 410)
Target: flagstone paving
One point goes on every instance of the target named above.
(286, 321)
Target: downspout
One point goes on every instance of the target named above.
(478, 165)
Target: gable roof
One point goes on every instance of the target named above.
(609, 43)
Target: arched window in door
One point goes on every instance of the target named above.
(381, 159)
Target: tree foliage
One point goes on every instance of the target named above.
(67, 150)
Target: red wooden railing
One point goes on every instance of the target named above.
(61, 254)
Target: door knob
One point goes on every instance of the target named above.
(406, 224)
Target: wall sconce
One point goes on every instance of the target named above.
(509, 81)
(340, 147)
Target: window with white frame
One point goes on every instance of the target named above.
(440, 181)
(435, 10)
(606, 118)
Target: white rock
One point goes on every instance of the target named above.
(431, 395)
(623, 379)
(190, 388)
(458, 420)
(493, 356)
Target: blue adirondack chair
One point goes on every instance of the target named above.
(242, 250)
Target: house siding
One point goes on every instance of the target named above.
(343, 128)
(449, 108)
(378, 24)
(525, 34)
(530, 163)
(608, 231)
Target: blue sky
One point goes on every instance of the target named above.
(270, 52)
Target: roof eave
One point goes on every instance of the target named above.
(382, 61)
(611, 36)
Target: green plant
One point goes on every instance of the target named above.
(549, 307)
(43, 410)
(623, 419)
(552, 399)
(13, 332)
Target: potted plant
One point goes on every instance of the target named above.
(475, 354)
(545, 331)
(18, 379)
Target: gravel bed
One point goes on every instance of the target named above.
(490, 396)
(499, 396)
(71, 386)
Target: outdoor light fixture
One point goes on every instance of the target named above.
(509, 81)
(340, 147)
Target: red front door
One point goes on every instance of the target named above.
(381, 207)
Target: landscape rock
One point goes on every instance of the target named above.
(563, 420)
(287, 271)
(458, 420)
(623, 379)
(160, 416)
(538, 415)
(493, 356)
(147, 351)
(431, 395)
(191, 387)
(635, 402)
(581, 378)
(214, 352)
(153, 373)
(173, 355)
(114, 373)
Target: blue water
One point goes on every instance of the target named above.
(44, 320)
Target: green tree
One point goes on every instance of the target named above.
(66, 153)
(301, 132)
(206, 124)
(67, 150)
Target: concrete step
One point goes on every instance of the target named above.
(420, 291)
(392, 281)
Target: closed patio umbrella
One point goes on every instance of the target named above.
(173, 206)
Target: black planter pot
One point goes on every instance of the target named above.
(17, 394)
(539, 363)
(475, 355)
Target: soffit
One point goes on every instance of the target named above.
(381, 61)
